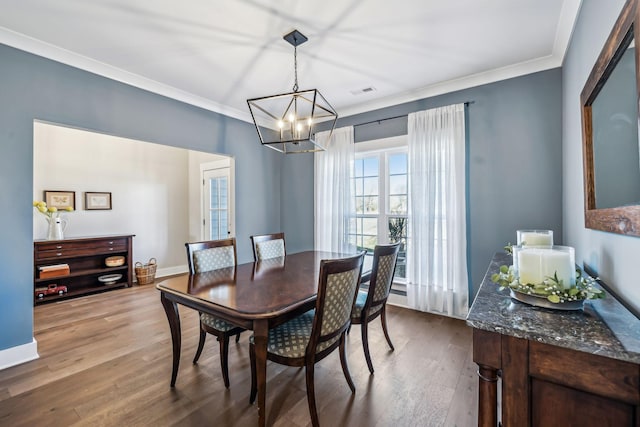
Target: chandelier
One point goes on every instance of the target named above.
(287, 122)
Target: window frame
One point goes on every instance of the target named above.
(383, 149)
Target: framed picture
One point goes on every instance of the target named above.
(97, 201)
(60, 199)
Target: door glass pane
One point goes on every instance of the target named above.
(218, 214)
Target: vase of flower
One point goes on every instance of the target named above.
(56, 224)
(56, 228)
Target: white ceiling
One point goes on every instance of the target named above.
(218, 53)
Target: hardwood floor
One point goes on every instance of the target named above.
(105, 360)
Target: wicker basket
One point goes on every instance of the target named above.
(146, 273)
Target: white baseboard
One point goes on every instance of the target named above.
(19, 354)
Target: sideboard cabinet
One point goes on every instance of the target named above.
(539, 367)
(86, 261)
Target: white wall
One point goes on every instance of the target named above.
(149, 184)
(613, 256)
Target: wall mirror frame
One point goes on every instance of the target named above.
(623, 219)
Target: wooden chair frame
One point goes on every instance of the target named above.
(223, 337)
(327, 267)
(365, 318)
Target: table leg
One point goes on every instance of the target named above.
(260, 336)
(171, 310)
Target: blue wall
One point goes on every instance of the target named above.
(614, 257)
(32, 87)
(514, 168)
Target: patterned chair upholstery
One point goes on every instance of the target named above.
(373, 303)
(310, 337)
(205, 257)
(267, 246)
(213, 258)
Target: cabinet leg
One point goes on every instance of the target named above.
(487, 396)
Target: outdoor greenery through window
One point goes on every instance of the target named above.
(380, 185)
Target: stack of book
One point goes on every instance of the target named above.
(55, 270)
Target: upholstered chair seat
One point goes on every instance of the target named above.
(215, 323)
(361, 300)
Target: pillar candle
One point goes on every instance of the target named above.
(529, 266)
(535, 238)
(534, 265)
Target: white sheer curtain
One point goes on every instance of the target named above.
(436, 249)
(334, 205)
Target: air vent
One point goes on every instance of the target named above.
(363, 90)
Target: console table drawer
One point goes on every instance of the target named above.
(89, 251)
(61, 245)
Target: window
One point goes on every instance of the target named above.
(380, 188)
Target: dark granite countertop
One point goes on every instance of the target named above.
(603, 327)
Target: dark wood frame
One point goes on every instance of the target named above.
(327, 267)
(89, 194)
(222, 336)
(621, 220)
(51, 193)
(365, 316)
(259, 238)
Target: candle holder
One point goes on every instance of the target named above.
(535, 238)
(547, 277)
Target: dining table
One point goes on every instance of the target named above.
(256, 296)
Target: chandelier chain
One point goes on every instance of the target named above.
(295, 68)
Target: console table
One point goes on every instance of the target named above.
(85, 257)
(542, 367)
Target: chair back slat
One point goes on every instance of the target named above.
(211, 255)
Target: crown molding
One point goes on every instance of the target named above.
(64, 56)
(566, 23)
(479, 79)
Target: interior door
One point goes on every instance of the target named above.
(217, 198)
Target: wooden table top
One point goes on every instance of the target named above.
(262, 289)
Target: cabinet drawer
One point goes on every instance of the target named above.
(69, 252)
(61, 245)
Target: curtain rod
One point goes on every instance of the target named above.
(398, 117)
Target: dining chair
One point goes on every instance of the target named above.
(308, 338)
(373, 302)
(208, 256)
(266, 246)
